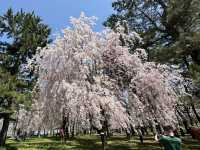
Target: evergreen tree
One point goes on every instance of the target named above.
(169, 28)
(24, 32)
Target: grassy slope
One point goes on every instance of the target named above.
(93, 143)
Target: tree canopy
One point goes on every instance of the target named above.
(169, 28)
(26, 32)
(89, 80)
(22, 33)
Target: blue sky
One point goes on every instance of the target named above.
(56, 13)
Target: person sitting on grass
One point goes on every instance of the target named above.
(168, 140)
(194, 132)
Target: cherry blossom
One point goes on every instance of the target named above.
(83, 76)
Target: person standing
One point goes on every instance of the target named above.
(62, 134)
(168, 140)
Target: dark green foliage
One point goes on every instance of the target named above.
(12, 92)
(24, 33)
(167, 26)
(27, 32)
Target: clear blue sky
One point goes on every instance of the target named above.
(56, 13)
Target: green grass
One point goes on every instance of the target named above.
(93, 143)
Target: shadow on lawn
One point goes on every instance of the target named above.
(88, 144)
(94, 143)
(122, 143)
(191, 144)
(8, 147)
(147, 146)
(114, 143)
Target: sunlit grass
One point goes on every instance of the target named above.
(92, 142)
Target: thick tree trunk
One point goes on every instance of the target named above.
(66, 128)
(107, 129)
(195, 112)
(102, 135)
(51, 132)
(3, 133)
(103, 140)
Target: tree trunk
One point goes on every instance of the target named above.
(67, 133)
(103, 140)
(185, 123)
(56, 132)
(15, 124)
(195, 112)
(146, 130)
(3, 133)
(128, 134)
(38, 133)
(107, 129)
(132, 130)
(73, 130)
(189, 116)
(15, 128)
(153, 128)
(141, 139)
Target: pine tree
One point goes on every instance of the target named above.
(24, 32)
(169, 28)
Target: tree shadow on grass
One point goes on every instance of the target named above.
(48, 146)
(147, 146)
(53, 138)
(118, 143)
(189, 144)
(55, 144)
(119, 147)
(94, 143)
(8, 147)
(88, 144)
(113, 143)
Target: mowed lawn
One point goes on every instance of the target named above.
(89, 142)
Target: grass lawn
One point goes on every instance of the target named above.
(93, 143)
